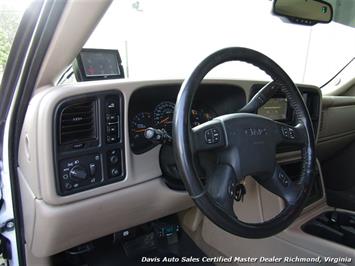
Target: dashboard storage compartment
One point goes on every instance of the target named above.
(334, 226)
(88, 142)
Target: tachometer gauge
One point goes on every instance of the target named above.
(200, 116)
(196, 118)
(140, 122)
(163, 116)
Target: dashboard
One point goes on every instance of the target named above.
(83, 161)
(89, 130)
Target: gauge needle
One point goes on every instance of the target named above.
(164, 120)
(140, 130)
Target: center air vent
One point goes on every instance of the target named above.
(77, 122)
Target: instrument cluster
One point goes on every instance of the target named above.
(151, 110)
(161, 118)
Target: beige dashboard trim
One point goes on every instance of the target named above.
(58, 228)
(71, 33)
(334, 101)
(291, 242)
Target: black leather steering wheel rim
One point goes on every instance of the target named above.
(216, 208)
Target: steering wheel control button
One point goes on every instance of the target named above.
(288, 132)
(212, 136)
(283, 179)
(291, 133)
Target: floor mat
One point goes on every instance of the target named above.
(175, 254)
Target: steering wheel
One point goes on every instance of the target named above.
(245, 145)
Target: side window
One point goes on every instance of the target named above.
(11, 12)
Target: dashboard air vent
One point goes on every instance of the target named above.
(77, 122)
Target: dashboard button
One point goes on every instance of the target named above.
(114, 159)
(68, 186)
(111, 139)
(112, 129)
(78, 173)
(92, 168)
(111, 118)
(78, 146)
(288, 132)
(112, 105)
(115, 172)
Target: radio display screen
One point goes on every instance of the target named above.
(275, 109)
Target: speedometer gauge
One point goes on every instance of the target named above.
(140, 122)
(163, 116)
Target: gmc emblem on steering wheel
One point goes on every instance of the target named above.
(255, 132)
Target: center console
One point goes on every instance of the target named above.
(335, 226)
(89, 142)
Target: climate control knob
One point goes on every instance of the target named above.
(78, 173)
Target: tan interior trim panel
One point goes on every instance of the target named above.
(72, 23)
(58, 228)
(337, 121)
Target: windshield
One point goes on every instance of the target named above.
(10, 15)
(167, 38)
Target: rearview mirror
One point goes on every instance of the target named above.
(306, 12)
